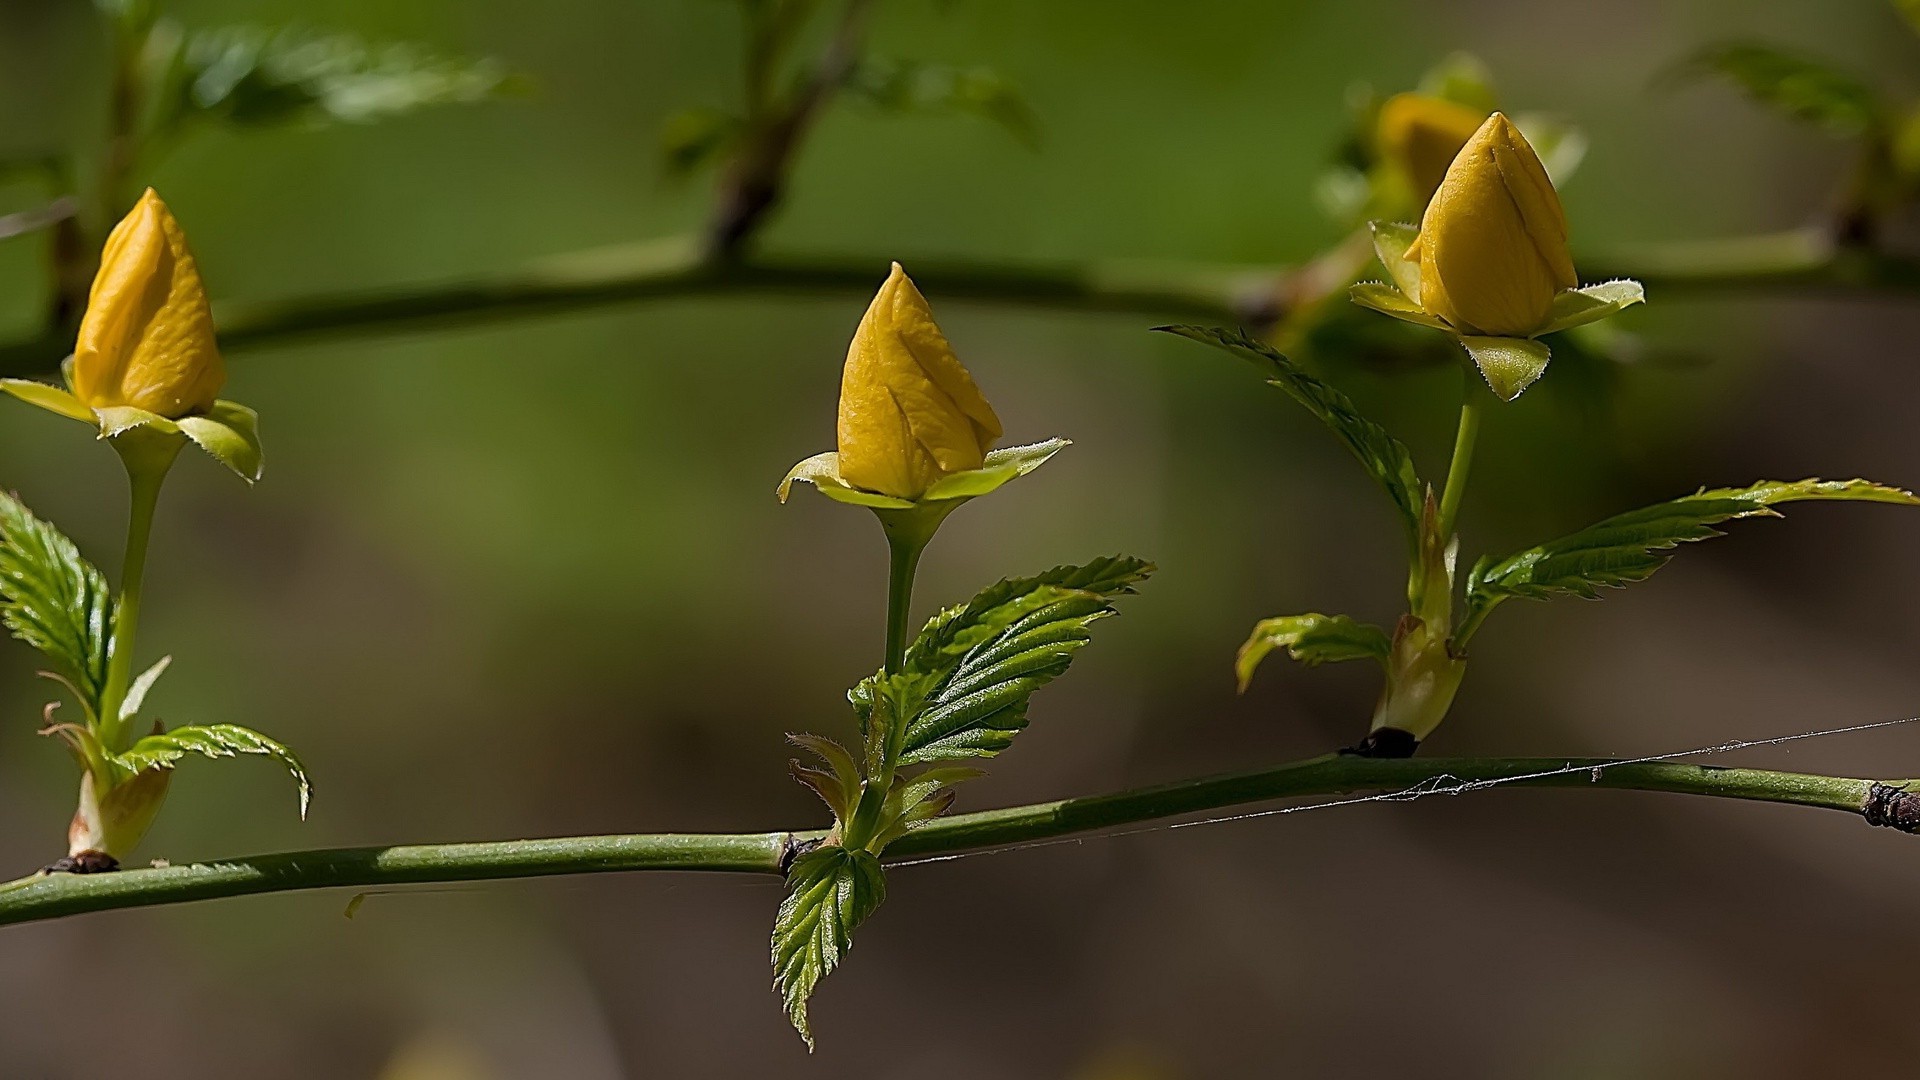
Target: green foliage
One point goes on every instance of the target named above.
(54, 600)
(1631, 546)
(1312, 639)
(252, 76)
(908, 86)
(163, 750)
(830, 892)
(1384, 457)
(982, 661)
(1804, 89)
(962, 691)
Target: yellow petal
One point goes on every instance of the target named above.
(1420, 135)
(147, 340)
(909, 412)
(1493, 242)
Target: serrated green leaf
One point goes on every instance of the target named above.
(230, 433)
(253, 77)
(1798, 87)
(1311, 639)
(1509, 365)
(979, 664)
(830, 892)
(1631, 546)
(915, 87)
(54, 600)
(164, 751)
(1384, 457)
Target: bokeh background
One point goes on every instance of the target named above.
(529, 578)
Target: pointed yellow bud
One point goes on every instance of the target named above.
(1420, 136)
(1492, 246)
(147, 337)
(909, 413)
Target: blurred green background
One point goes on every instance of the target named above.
(529, 578)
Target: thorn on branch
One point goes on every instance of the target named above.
(1892, 807)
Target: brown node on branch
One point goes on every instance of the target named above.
(1385, 742)
(1892, 807)
(86, 862)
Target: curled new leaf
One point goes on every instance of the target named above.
(164, 751)
(1631, 546)
(1310, 639)
(1384, 457)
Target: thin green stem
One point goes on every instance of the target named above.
(908, 532)
(903, 558)
(147, 460)
(1462, 463)
(52, 896)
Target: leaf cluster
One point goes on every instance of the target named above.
(962, 692)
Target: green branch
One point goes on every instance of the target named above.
(51, 896)
(677, 268)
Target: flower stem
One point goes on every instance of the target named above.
(147, 457)
(903, 550)
(1463, 443)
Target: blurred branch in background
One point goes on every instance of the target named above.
(45, 896)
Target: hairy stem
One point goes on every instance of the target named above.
(51, 896)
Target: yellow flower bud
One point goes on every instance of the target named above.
(1420, 136)
(147, 337)
(1492, 246)
(909, 413)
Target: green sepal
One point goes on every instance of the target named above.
(1391, 239)
(1591, 303)
(1388, 300)
(117, 420)
(830, 892)
(1509, 365)
(164, 750)
(51, 398)
(1631, 546)
(1311, 639)
(999, 467)
(230, 433)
